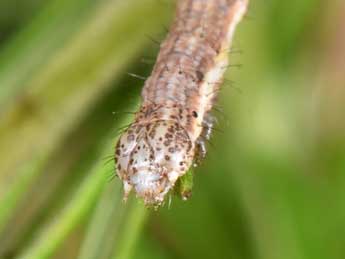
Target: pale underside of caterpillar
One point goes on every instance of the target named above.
(168, 132)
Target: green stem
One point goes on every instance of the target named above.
(55, 232)
(131, 230)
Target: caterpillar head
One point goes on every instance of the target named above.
(151, 157)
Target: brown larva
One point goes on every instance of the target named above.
(166, 135)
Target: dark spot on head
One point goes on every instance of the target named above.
(171, 149)
(199, 75)
(189, 146)
(131, 161)
(160, 139)
(195, 114)
(181, 163)
(151, 157)
(167, 157)
(130, 137)
(168, 135)
(122, 145)
(152, 133)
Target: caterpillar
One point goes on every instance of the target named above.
(169, 130)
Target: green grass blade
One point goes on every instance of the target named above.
(10, 199)
(131, 229)
(105, 223)
(53, 234)
(64, 90)
(30, 49)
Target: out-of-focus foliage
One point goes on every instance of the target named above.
(272, 186)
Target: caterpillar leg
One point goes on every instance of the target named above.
(201, 142)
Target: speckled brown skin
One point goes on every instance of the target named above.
(162, 142)
(198, 41)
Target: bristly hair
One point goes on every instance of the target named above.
(169, 131)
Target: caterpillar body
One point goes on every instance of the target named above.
(168, 131)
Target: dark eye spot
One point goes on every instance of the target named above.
(195, 114)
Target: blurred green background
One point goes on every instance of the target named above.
(272, 186)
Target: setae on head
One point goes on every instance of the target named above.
(151, 157)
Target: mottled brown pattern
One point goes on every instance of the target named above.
(196, 38)
(166, 135)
